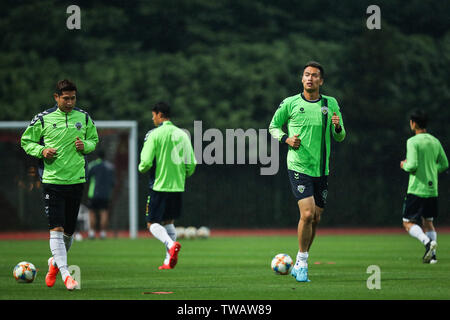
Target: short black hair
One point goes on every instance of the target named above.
(317, 65)
(162, 107)
(420, 117)
(65, 85)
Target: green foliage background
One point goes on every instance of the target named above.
(229, 63)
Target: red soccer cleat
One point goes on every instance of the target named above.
(173, 251)
(50, 278)
(164, 267)
(70, 283)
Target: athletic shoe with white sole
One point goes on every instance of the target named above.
(429, 248)
(433, 259)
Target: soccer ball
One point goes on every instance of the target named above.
(190, 233)
(24, 272)
(282, 264)
(203, 232)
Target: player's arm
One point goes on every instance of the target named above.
(279, 119)
(337, 122)
(412, 161)
(442, 161)
(91, 138)
(148, 153)
(30, 140)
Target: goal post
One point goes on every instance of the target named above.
(129, 125)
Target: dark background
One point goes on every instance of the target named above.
(230, 63)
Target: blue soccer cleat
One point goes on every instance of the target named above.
(301, 275)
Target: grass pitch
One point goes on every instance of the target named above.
(234, 268)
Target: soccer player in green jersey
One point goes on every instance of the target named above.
(168, 155)
(311, 119)
(61, 137)
(425, 158)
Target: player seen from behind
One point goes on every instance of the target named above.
(168, 155)
(425, 159)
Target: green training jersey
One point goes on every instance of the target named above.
(312, 121)
(425, 158)
(54, 128)
(168, 154)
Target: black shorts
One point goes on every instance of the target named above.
(304, 186)
(415, 207)
(98, 204)
(62, 204)
(162, 206)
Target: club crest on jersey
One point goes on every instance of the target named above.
(324, 110)
(78, 125)
(301, 188)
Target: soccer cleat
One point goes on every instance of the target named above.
(294, 272)
(173, 252)
(70, 283)
(429, 248)
(433, 259)
(50, 278)
(165, 266)
(302, 275)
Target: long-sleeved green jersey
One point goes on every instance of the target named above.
(168, 154)
(425, 158)
(312, 121)
(54, 128)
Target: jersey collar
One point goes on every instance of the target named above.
(311, 101)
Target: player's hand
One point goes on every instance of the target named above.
(402, 163)
(335, 120)
(294, 141)
(49, 153)
(79, 144)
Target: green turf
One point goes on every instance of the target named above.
(234, 268)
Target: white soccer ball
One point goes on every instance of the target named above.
(190, 233)
(180, 232)
(282, 264)
(203, 232)
(24, 272)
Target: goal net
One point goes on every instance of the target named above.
(21, 200)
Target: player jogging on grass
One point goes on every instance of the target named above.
(61, 137)
(425, 158)
(311, 120)
(168, 155)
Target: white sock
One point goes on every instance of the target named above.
(433, 236)
(302, 260)
(417, 232)
(160, 233)
(59, 252)
(172, 232)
